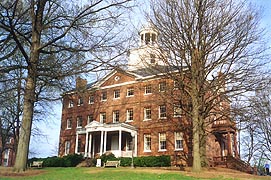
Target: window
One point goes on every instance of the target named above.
(67, 147)
(147, 113)
(178, 141)
(162, 112)
(104, 96)
(91, 99)
(152, 58)
(130, 91)
(148, 89)
(6, 157)
(147, 142)
(162, 142)
(70, 104)
(69, 123)
(79, 122)
(90, 118)
(162, 86)
(80, 101)
(116, 116)
(102, 117)
(130, 114)
(116, 94)
(177, 110)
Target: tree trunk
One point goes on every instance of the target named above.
(37, 10)
(25, 133)
(196, 136)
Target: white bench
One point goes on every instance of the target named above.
(36, 164)
(112, 163)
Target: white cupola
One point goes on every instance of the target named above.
(147, 53)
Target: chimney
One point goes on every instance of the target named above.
(81, 83)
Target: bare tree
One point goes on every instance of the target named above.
(215, 48)
(10, 112)
(256, 122)
(57, 39)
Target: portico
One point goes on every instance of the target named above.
(101, 138)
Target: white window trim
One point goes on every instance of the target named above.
(80, 101)
(174, 110)
(145, 114)
(146, 150)
(66, 143)
(90, 102)
(68, 123)
(175, 141)
(101, 117)
(70, 104)
(77, 122)
(127, 95)
(162, 150)
(102, 97)
(128, 115)
(6, 157)
(163, 82)
(159, 109)
(115, 94)
(145, 93)
(115, 115)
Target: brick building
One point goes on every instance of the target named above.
(7, 152)
(135, 111)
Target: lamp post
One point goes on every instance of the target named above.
(132, 146)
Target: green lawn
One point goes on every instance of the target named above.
(105, 174)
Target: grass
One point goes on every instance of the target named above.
(103, 174)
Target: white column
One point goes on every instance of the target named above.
(101, 145)
(76, 144)
(119, 143)
(93, 148)
(86, 145)
(135, 145)
(89, 145)
(105, 137)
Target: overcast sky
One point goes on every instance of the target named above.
(44, 147)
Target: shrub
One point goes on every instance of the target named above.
(147, 161)
(107, 156)
(71, 160)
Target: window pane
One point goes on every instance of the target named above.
(130, 114)
(117, 93)
(148, 89)
(162, 141)
(147, 113)
(162, 111)
(115, 116)
(91, 99)
(147, 142)
(162, 86)
(130, 91)
(178, 140)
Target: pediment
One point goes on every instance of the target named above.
(116, 77)
(94, 124)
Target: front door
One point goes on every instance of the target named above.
(114, 143)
